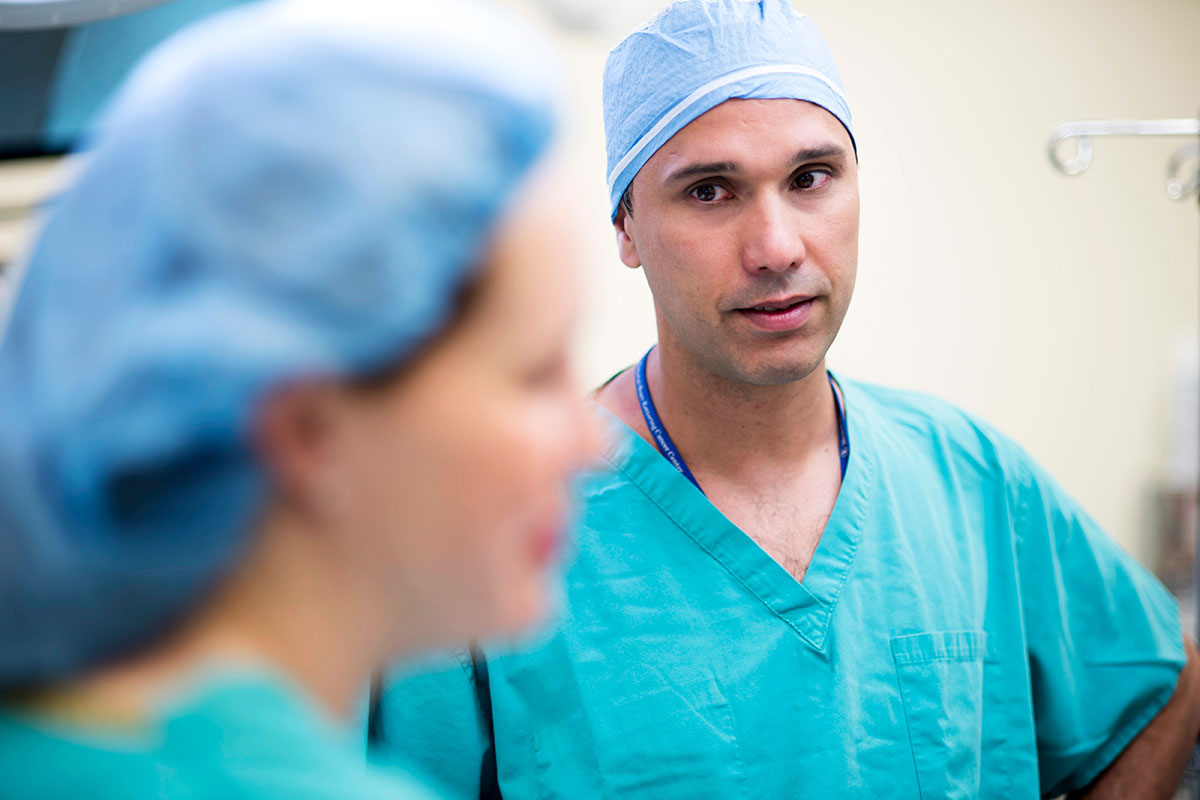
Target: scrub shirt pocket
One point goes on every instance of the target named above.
(941, 684)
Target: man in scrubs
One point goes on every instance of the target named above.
(790, 584)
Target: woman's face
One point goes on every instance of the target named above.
(458, 471)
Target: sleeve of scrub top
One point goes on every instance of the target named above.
(1104, 637)
(430, 723)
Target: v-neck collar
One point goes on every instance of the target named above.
(805, 606)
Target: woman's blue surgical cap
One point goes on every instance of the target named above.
(294, 189)
(695, 55)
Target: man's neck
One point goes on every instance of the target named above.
(727, 427)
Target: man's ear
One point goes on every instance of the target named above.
(626, 241)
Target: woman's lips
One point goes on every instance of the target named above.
(547, 543)
(788, 318)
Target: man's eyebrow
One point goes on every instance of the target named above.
(819, 152)
(712, 168)
(707, 168)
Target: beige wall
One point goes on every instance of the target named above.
(1049, 305)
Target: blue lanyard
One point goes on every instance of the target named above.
(668, 449)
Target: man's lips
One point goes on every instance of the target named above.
(780, 303)
(778, 315)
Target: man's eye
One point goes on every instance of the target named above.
(708, 192)
(812, 179)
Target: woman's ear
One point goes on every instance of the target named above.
(296, 436)
(626, 241)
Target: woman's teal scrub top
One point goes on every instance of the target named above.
(964, 630)
(230, 734)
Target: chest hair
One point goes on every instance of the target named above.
(786, 525)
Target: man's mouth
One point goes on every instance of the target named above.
(782, 305)
(777, 316)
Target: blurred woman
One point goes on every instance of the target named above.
(284, 395)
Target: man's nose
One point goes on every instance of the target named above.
(772, 238)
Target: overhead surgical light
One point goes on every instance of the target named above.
(29, 14)
(60, 60)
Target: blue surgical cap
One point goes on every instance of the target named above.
(291, 190)
(695, 55)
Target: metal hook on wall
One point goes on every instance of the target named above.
(1179, 187)
(1082, 132)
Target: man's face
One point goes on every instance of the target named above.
(746, 223)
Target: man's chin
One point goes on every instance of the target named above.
(781, 375)
(779, 367)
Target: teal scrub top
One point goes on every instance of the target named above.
(964, 630)
(230, 734)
